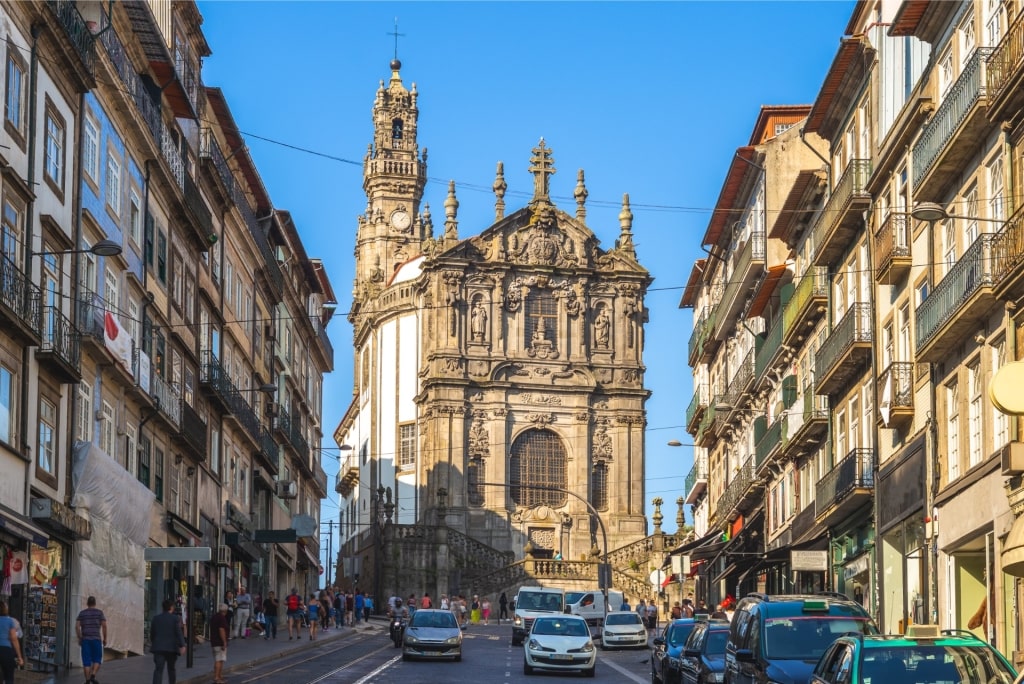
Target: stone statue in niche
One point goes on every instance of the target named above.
(602, 329)
(602, 442)
(478, 321)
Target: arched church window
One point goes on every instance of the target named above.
(396, 129)
(599, 486)
(474, 471)
(538, 462)
(541, 318)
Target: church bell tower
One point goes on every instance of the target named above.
(394, 174)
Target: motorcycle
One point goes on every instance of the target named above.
(397, 630)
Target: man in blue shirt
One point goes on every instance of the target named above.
(91, 630)
(360, 604)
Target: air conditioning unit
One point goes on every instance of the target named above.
(223, 555)
(1011, 457)
(286, 489)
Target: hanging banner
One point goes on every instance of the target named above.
(117, 340)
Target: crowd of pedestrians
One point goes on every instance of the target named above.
(476, 610)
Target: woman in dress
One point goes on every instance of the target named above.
(485, 607)
(314, 608)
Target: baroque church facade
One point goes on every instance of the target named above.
(498, 378)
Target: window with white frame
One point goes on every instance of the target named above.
(996, 202)
(974, 414)
(113, 194)
(130, 447)
(407, 448)
(946, 74)
(83, 428)
(107, 438)
(110, 291)
(91, 148)
(1000, 421)
(47, 460)
(7, 405)
(953, 430)
(53, 152)
(229, 283)
(855, 422)
(134, 217)
(173, 499)
(948, 245)
(12, 224)
(966, 38)
(14, 100)
(133, 322)
(841, 435)
(904, 346)
(993, 22)
(868, 414)
(971, 230)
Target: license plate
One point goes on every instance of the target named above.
(561, 656)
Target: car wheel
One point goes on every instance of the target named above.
(591, 672)
(527, 670)
(405, 657)
(458, 658)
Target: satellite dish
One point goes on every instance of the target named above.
(1005, 389)
(304, 525)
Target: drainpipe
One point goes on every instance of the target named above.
(77, 241)
(876, 577)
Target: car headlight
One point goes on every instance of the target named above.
(452, 640)
(410, 639)
(517, 621)
(588, 647)
(537, 646)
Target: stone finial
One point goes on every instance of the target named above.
(626, 221)
(426, 220)
(499, 187)
(542, 166)
(451, 208)
(680, 516)
(580, 193)
(658, 517)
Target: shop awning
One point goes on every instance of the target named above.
(729, 569)
(708, 538)
(1013, 550)
(23, 528)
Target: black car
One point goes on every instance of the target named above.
(779, 638)
(703, 658)
(667, 649)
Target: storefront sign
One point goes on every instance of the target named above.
(809, 561)
(23, 530)
(856, 567)
(238, 519)
(61, 519)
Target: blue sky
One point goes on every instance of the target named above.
(648, 98)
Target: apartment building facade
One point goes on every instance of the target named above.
(152, 379)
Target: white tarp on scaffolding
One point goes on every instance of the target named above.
(110, 565)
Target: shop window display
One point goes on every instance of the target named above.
(41, 609)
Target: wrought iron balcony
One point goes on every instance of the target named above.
(771, 349)
(1008, 258)
(210, 150)
(269, 450)
(173, 158)
(806, 307)
(20, 302)
(196, 205)
(846, 487)
(320, 479)
(954, 132)
(168, 399)
(959, 302)
(892, 248)
(807, 427)
(191, 84)
(695, 411)
(193, 431)
(748, 262)
(246, 418)
(700, 349)
(771, 442)
(133, 88)
(713, 419)
(743, 482)
(846, 350)
(896, 394)
(217, 382)
(325, 342)
(291, 430)
(1004, 72)
(696, 481)
(742, 379)
(76, 30)
(61, 349)
(271, 269)
(840, 220)
(348, 475)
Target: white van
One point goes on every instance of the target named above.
(590, 605)
(531, 603)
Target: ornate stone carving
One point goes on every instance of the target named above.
(500, 412)
(601, 404)
(514, 296)
(602, 328)
(476, 396)
(540, 346)
(631, 375)
(602, 442)
(540, 419)
(549, 399)
(452, 283)
(479, 439)
(582, 417)
(478, 321)
(478, 367)
(453, 365)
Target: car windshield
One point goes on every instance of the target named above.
(716, 643)
(676, 635)
(560, 627)
(974, 664)
(574, 596)
(807, 636)
(622, 619)
(535, 600)
(430, 619)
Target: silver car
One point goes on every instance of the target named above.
(432, 634)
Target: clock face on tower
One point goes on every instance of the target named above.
(401, 219)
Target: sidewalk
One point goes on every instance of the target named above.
(243, 654)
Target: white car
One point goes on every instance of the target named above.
(560, 642)
(623, 629)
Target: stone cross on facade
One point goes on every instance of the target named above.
(542, 166)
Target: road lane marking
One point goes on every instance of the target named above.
(322, 654)
(368, 677)
(624, 671)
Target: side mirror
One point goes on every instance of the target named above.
(745, 655)
(568, 610)
(658, 641)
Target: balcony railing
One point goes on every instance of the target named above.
(247, 418)
(188, 75)
(213, 375)
(701, 333)
(193, 430)
(770, 441)
(855, 471)
(737, 489)
(20, 300)
(320, 478)
(209, 149)
(973, 272)
(770, 348)
(76, 29)
(168, 398)
(834, 224)
(148, 110)
(194, 201)
(750, 253)
(268, 448)
(969, 88)
(741, 380)
(806, 306)
(697, 406)
(892, 248)
(61, 342)
(851, 333)
(712, 419)
(696, 480)
(173, 158)
(270, 265)
(896, 392)
(1007, 59)
(1008, 251)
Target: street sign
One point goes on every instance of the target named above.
(274, 536)
(304, 525)
(680, 566)
(177, 554)
(809, 561)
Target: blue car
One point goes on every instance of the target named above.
(703, 658)
(667, 649)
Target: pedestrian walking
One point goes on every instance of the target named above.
(167, 642)
(652, 615)
(10, 646)
(314, 615)
(485, 610)
(350, 609)
(293, 603)
(502, 607)
(325, 611)
(243, 609)
(359, 603)
(219, 627)
(271, 607)
(425, 602)
(91, 630)
(367, 606)
(474, 608)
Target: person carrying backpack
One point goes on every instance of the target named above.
(293, 604)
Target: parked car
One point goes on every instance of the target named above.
(667, 649)
(953, 656)
(703, 657)
(560, 642)
(779, 638)
(432, 633)
(623, 629)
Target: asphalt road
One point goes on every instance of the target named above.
(488, 656)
